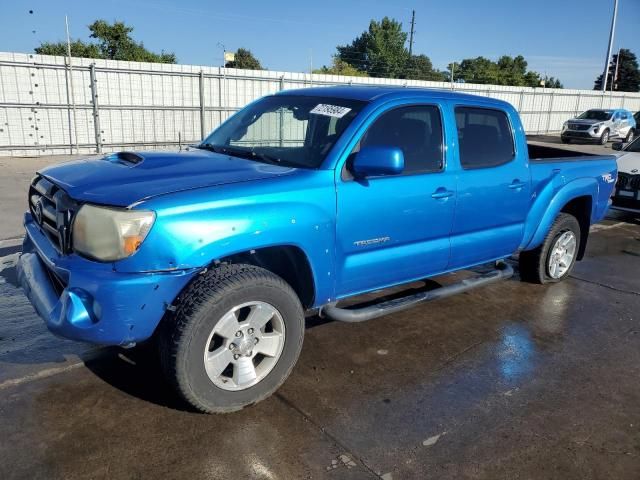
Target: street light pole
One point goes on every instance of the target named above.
(605, 75)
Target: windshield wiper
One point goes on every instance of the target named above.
(241, 152)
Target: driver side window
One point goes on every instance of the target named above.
(416, 130)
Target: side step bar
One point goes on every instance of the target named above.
(502, 271)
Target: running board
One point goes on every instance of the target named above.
(502, 271)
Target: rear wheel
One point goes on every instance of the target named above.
(604, 138)
(554, 260)
(235, 337)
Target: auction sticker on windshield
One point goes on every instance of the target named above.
(330, 110)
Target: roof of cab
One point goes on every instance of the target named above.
(372, 93)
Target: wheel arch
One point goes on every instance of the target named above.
(580, 208)
(576, 198)
(289, 262)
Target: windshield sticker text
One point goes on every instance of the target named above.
(330, 110)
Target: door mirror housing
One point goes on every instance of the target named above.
(617, 146)
(378, 161)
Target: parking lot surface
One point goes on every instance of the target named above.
(509, 381)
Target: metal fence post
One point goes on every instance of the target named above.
(549, 112)
(521, 101)
(281, 119)
(202, 131)
(96, 113)
(578, 98)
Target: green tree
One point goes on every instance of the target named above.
(245, 59)
(380, 51)
(340, 67)
(506, 71)
(419, 67)
(552, 82)
(78, 49)
(114, 42)
(477, 70)
(628, 79)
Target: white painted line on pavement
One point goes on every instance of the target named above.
(11, 242)
(599, 227)
(49, 372)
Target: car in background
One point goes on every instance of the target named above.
(600, 125)
(626, 195)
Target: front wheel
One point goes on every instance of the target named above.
(554, 260)
(630, 136)
(235, 337)
(604, 138)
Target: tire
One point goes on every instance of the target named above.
(212, 303)
(536, 264)
(630, 136)
(565, 140)
(604, 138)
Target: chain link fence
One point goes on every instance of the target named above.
(91, 106)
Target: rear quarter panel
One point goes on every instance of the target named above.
(556, 182)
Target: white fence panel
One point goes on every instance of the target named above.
(150, 105)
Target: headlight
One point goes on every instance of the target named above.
(110, 234)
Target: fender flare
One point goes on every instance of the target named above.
(540, 219)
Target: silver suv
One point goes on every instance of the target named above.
(599, 126)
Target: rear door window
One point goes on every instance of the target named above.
(485, 138)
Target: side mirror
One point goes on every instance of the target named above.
(377, 161)
(617, 146)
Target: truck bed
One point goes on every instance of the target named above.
(542, 153)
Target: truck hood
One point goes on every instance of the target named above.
(629, 163)
(123, 178)
(586, 121)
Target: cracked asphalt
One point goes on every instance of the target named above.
(508, 381)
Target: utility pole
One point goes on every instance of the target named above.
(413, 22)
(605, 75)
(615, 74)
(72, 95)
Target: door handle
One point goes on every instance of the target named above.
(442, 193)
(516, 184)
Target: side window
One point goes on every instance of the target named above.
(624, 116)
(416, 130)
(484, 137)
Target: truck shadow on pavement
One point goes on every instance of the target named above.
(137, 371)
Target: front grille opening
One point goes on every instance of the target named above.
(52, 209)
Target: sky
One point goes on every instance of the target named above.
(566, 39)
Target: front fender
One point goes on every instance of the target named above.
(549, 201)
(193, 229)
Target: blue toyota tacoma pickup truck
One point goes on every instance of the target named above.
(298, 201)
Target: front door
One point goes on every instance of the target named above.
(394, 229)
(493, 188)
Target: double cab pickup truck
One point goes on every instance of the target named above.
(296, 203)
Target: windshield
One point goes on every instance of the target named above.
(633, 146)
(292, 130)
(601, 115)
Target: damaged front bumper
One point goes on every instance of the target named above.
(90, 301)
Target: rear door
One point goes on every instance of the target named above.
(394, 229)
(493, 187)
(616, 123)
